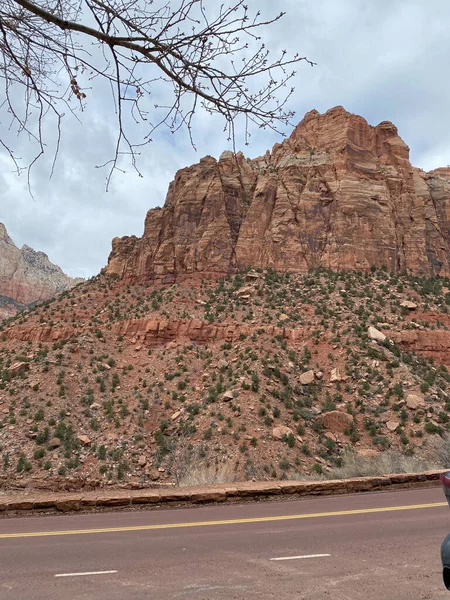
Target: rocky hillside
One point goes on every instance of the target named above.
(27, 276)
(261, 375)
(338, 194)
(218, 347)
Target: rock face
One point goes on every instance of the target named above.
(156, 332)
(27, 276)
(337, 193)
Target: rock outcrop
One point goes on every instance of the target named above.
(155, 332)
(337, 193)
(27, 276)
(432, 343)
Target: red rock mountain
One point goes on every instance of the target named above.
(27, 276)
(337, 193)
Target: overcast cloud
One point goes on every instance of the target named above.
(382, 59)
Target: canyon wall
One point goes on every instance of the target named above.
(338, 193)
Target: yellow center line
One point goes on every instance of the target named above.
(361, 511)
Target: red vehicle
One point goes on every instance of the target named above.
(445, 547)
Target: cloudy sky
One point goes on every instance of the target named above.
(382, 59)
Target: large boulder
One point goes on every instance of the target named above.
(392, 425)
(84, 439)
(337, 421)
(408, 304)
(18, 368)
(335, 375)
(414, 401)
(278, 433)
(307, 378)
(376, 335)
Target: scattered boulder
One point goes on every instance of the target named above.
(279, 432)
(283, 317)
(337, 421)
(54, 443)
(375, 334)
(414, 401)
(408, 304)
(392, 425)
(154, 474)
(335, 375)
(84, 439)
(252, 276)
(245, 291)
(142, 460)
(227, 396)
(175, 415)
(307, 378)
(18, 368)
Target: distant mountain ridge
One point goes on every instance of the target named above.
(27, 276)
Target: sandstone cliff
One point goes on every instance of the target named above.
(27, 276)
(337, 193)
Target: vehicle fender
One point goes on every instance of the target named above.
(445, 557)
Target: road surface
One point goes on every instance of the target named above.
(376, 546)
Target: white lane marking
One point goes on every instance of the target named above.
(87, 573)
(303, 556)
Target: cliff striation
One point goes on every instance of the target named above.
(337, 193)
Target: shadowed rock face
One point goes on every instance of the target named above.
(337, 193)
(27, 276)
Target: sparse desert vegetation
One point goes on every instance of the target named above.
(260, 375)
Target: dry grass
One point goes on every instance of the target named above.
(439, 451)
(203, 475)
(437, 456)
(388, 462)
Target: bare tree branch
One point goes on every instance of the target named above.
(211, 58)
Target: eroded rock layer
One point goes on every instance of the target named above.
(337, 193)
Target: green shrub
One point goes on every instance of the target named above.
(39, 453)
(433, 428)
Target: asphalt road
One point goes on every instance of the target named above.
(368, 546)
